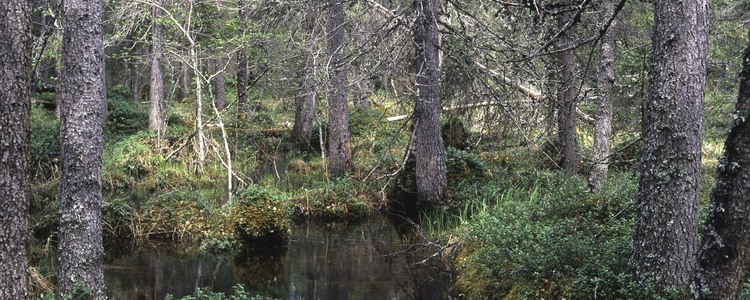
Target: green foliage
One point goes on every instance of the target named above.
(550, 239)
(454, 133)
(128, 159)
(44, 143)
(261, 214)
(207, 294)
(463, 166)
(124, 117)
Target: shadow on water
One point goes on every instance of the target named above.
(368, 260)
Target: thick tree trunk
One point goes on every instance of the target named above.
(156, 117)
(725, 248)
(339, 147)
(15, 85)
(604, 81)
(221, 101)
(428, 150)
(80, 254)
(566, 97)
(665, 232)
(305, 113)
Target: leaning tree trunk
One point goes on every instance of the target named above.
(725, 248)
(428, 145)
(305, 112)
(566, 96)
(156, 117)
(665, 230)
(15, 85)
(604, 81)
(339, 147)
(80, 254)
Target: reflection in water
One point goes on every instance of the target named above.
(367, 261)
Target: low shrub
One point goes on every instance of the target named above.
(44, 143)
(551, 241)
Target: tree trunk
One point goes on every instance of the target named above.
(135, 80)
(242, 66)
(156, 118)
(340, 155)
(725, 248)
(604, 81)
(665, 232)
(184, 84)
(15, 85)
(566, 95)
(199, 107)
(428, 150)
(220, 95)
(80, 254)
(305, 113)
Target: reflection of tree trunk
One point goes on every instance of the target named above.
(604, 82)
(339, 147)
(429, 152)
(305, 113)
(338, 274)
(566, 96)
(15, 86)
(311, 271)
(158, 269)
(220, 95)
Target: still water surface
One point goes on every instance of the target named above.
(334, 261)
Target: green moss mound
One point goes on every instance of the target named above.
(260, 216)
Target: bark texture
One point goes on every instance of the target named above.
(156, 110)
(725, 248)
(242, 65)
(566, 96)
(184, 84)
(605, 79)
(80, 254)
(339, 147)
(15, 84)
(305, 113)
(221, 101)
(428, 147)
(665, 232)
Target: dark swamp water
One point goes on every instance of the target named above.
(369, 260)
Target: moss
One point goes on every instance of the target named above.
(260, 216)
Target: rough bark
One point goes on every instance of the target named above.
(665, 231)
(566, 95)
(339, 147)
(242, 66)
(725, 248)
(428, 145)
(156, 117)
(605, 79)
(305, 112)
(184, 84)
(80, 254)
(15, 85)
(221, 101)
